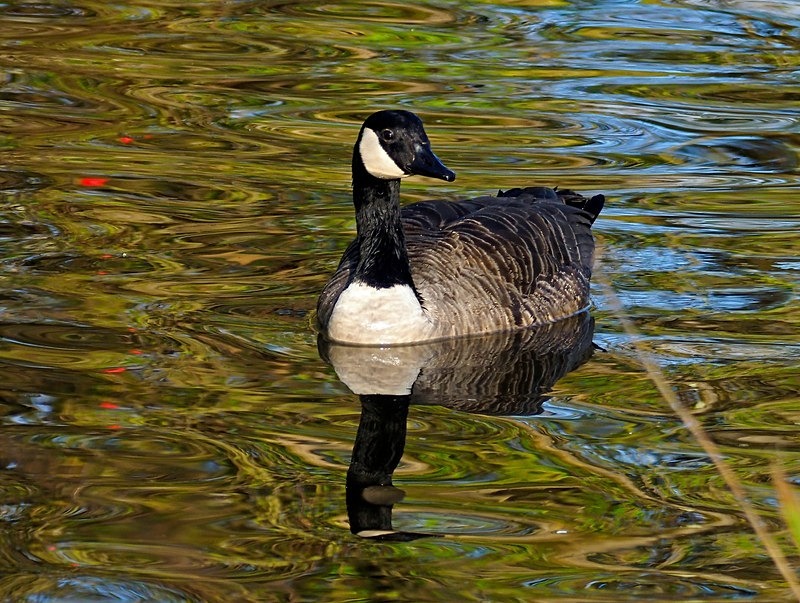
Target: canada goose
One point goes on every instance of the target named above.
(441, 269)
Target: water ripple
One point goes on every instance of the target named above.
(19, 181)
(174, 188)
(381, 12)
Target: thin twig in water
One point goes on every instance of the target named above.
(694, 426)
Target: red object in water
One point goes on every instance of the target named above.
(115, 370)
(109, 405)
(125, 139)
(93, 181)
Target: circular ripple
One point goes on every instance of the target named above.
(750, 152)
(30, 11)
(383, 12)
(41, 98)
(66, 337)
(24, 21)
(722, 94)
(648, 584)
(25, 123)
(460, 523)
(20, 181)
(151, 451)
(210, 47)
(53, 586)
(45, 103)
(696, 121)
(50, 263)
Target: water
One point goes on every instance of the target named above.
(174, 191)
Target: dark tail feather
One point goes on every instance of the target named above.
(592, 206)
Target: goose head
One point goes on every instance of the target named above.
(393, 145)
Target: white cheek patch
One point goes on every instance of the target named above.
(376, 159)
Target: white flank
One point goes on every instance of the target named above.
(376, 159)
(369, 316)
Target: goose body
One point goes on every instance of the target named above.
(440, 269)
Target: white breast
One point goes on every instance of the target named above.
(369, 316)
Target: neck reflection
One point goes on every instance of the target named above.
(506, 374)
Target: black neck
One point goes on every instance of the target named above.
(383, 260)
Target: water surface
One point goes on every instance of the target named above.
(174, 191)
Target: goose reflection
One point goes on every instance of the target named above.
(500, 374)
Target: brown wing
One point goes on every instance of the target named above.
(506, 262)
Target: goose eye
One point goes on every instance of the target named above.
(387, 135)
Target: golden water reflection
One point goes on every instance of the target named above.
(174, 191)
